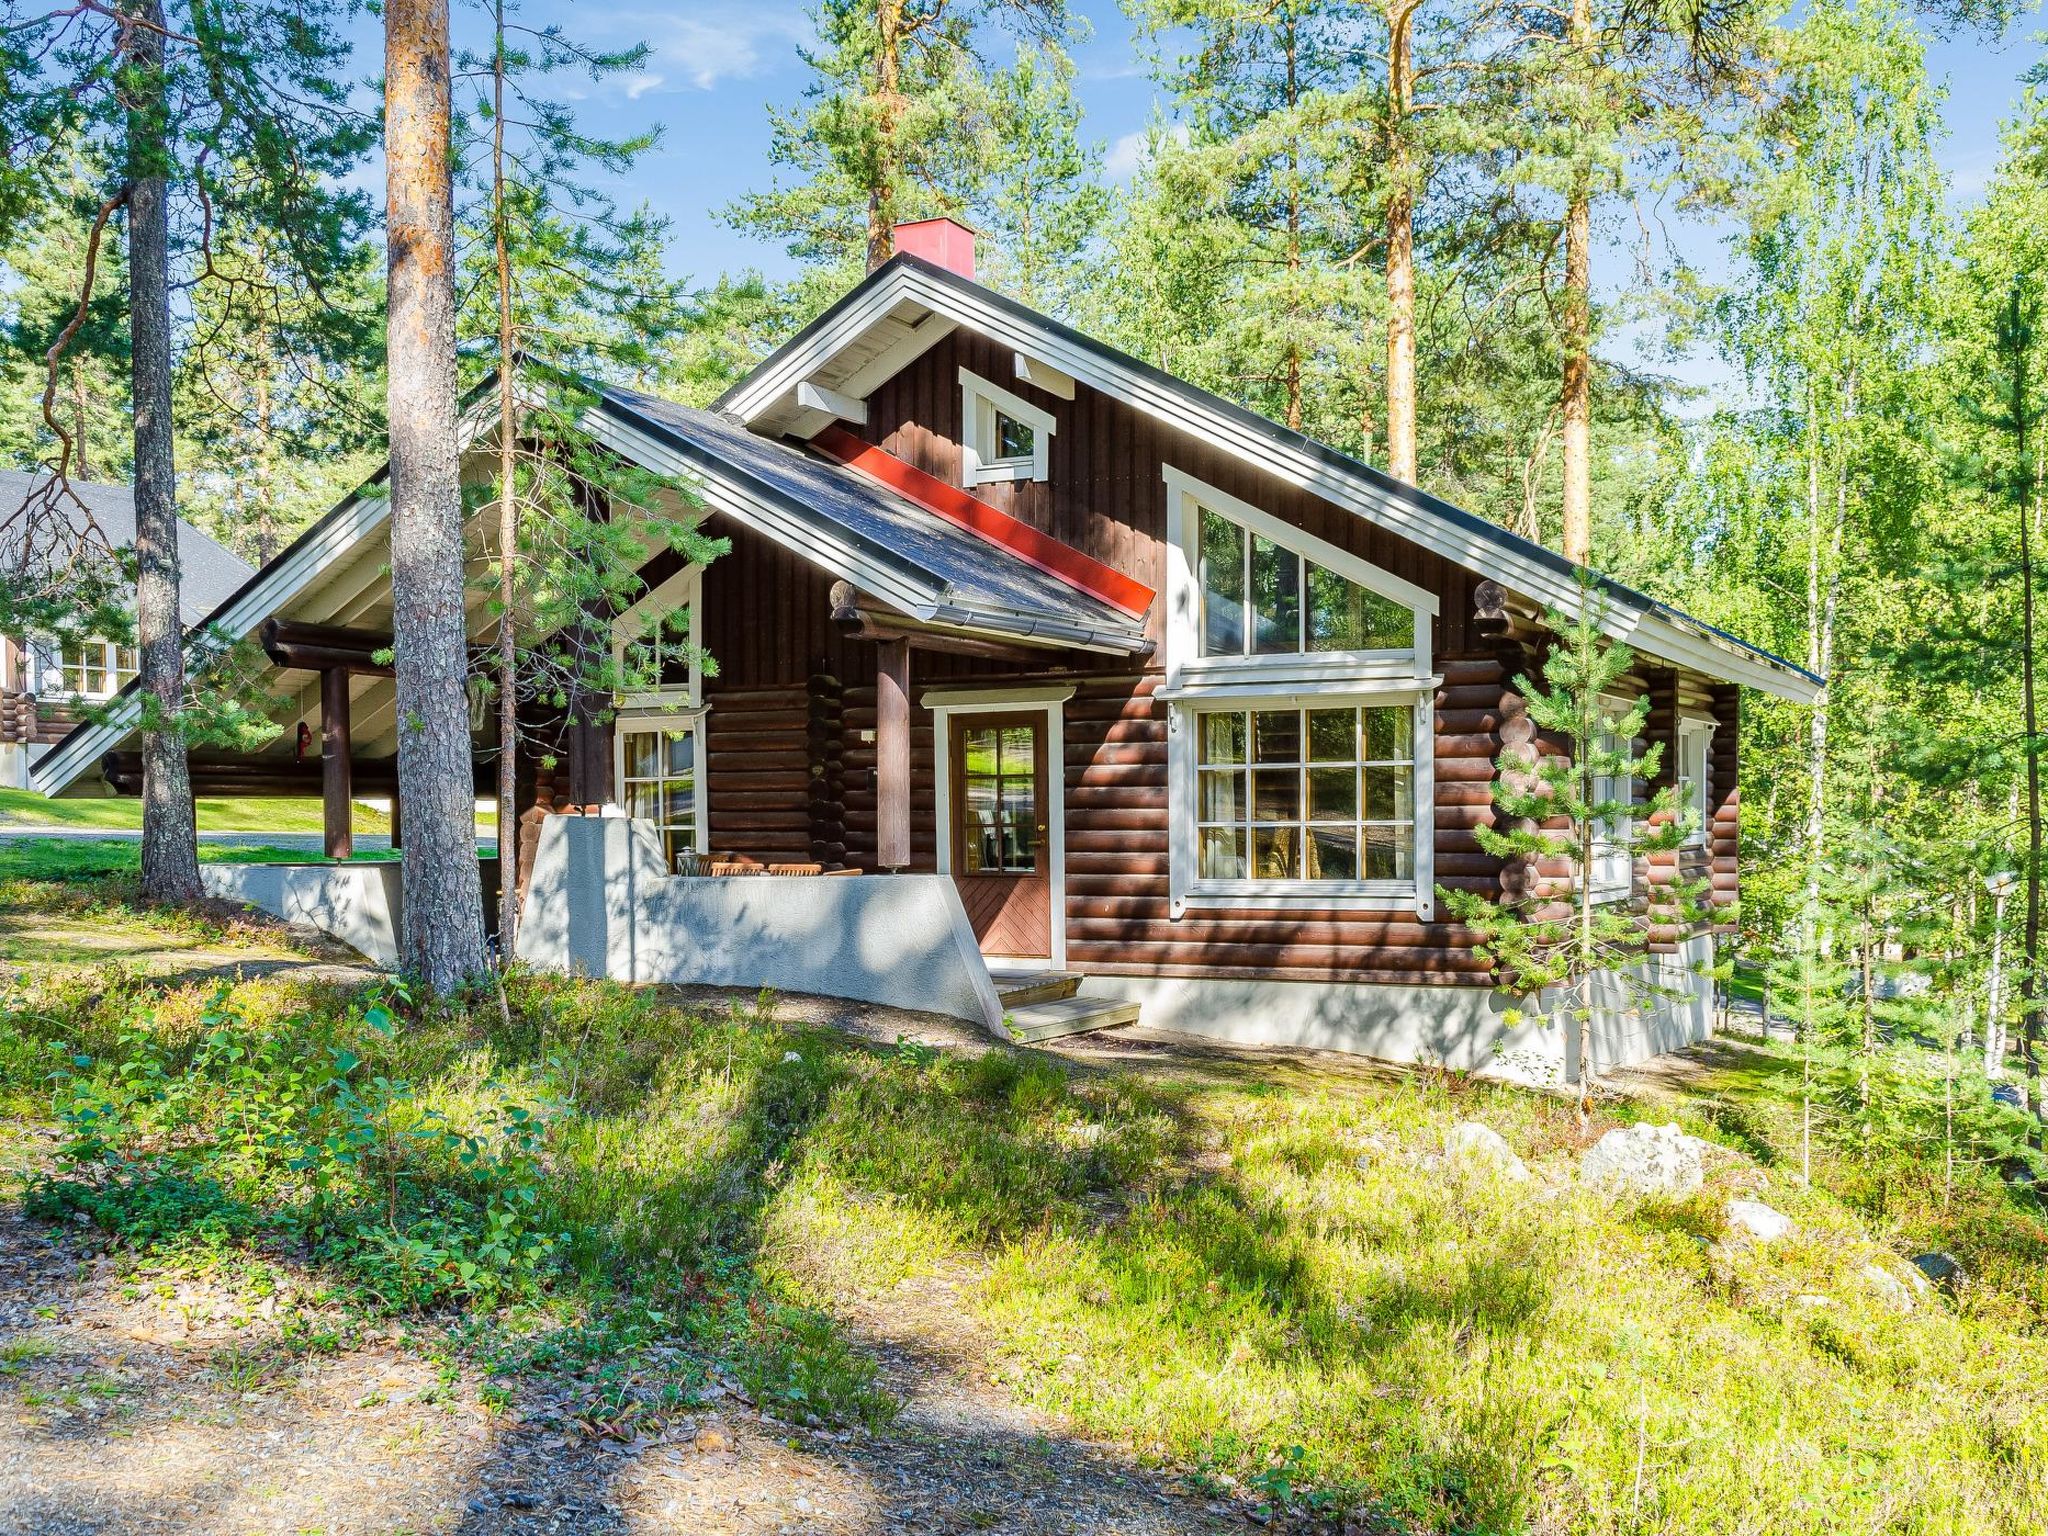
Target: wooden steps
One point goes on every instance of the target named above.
(1020, 988)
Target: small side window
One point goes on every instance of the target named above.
(1003, 436)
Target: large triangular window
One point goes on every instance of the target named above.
(1261, 598)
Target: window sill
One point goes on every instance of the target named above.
(1307, 895)
(1002, 471)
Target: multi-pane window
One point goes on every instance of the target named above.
(659, 784)
(1306, 794)
(999, 785)
(1613, 864)
(1260, 598)
(96, 669)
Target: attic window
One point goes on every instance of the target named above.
(1003, 436)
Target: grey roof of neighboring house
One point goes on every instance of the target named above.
(966, 572)
(210, 573)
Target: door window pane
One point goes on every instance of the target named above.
(998, 814)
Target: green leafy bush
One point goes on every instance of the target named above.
(301, 1128)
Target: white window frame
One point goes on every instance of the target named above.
(1695, 735)
(1311, 680)
(945, 703)
(47, 670)
(667, 722)
(1186, 665)
(685, 587)
(1613, 875)
(980, 463)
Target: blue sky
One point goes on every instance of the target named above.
(718, 65)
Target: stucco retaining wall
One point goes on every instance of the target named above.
(601, 903)
(359, 904)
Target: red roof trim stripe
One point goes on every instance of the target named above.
(998, 527)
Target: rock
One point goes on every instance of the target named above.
(1889, 1286)
(711, 1440)
(1758, 1220)
(1483, 1146)
(790, 1056)
(1645, 1160)
(1944, 1269)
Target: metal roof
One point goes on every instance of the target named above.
(968, 579)
(209, 573)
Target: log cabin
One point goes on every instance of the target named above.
(1189, 717)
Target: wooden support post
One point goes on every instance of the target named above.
(336, 786)
(892, 755)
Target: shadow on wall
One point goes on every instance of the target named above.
(601, 903)
(358, 904)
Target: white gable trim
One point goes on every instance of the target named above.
(1190, 410)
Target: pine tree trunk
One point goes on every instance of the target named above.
(2030, 987)
(82, 438)
(889, 102)
(1401, 458)
(443, 940)
(508, 525)
(170, 839)
(1576, 317)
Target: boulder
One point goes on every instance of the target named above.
(1758, 1220)
(1889, 1286)
(1944, 1269)
(1645, 1160)
(1482, 1146)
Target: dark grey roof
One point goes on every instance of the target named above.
(210, 573)
(961, 569)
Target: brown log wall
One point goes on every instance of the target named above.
(792, 707)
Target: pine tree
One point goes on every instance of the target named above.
(1044, 203)
(900, 123)
(1572, 810)
(232, 107)
(573, 292)
(443, 941)
(1245, 223)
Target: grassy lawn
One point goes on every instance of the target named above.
(1266, 1275)
(26, 808)
(92, 858)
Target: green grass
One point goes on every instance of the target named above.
(94, 858)
(1265, 1276)
(26, 808)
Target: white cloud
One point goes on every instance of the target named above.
(713, 43)
(1127, 155)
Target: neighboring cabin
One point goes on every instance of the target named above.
(1179, 702)
(45, 686)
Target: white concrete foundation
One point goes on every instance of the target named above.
(358, 904)
(601, 903)
(1470, 1029)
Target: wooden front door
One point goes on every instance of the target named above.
(1001, 859)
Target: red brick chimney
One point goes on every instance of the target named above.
(943, 242)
